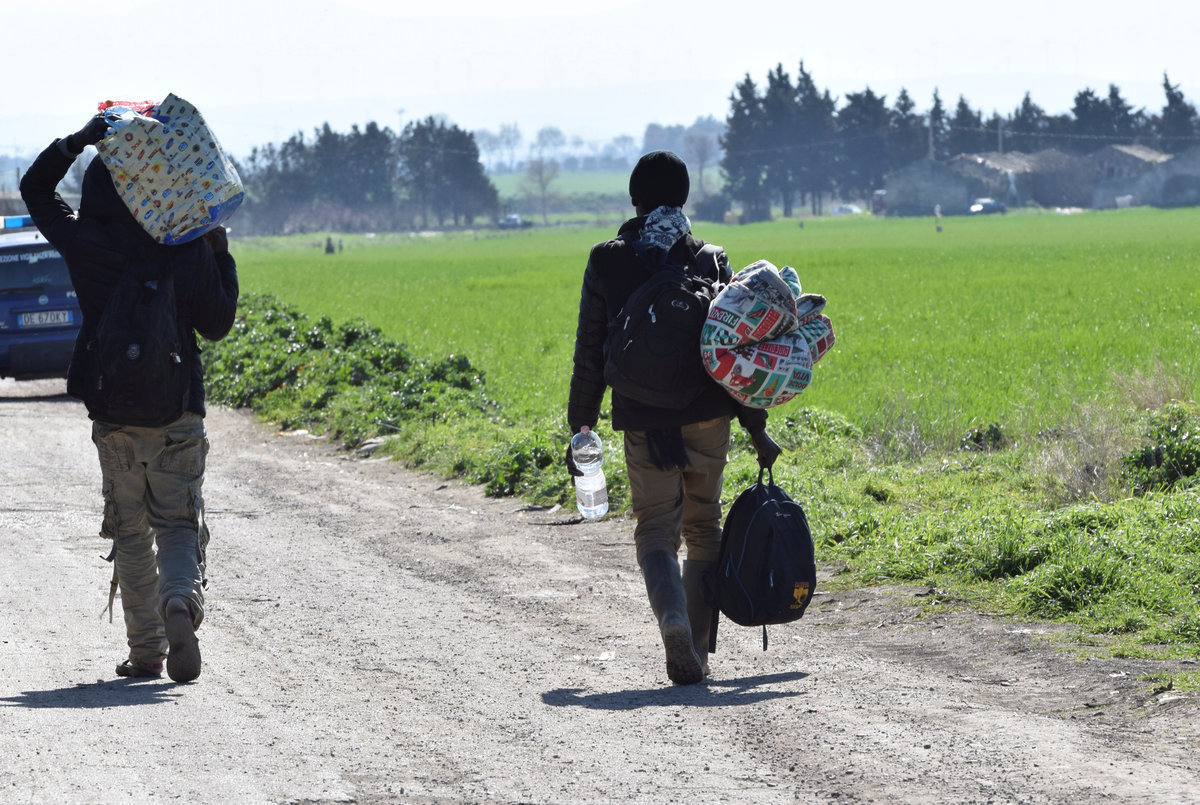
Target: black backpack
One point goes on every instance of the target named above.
(766, 572)
(139, 371)
(652, 351)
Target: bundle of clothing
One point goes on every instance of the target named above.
(764, 334)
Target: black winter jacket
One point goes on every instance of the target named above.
(611, 277)
(97, 242)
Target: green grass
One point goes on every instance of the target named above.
(1013, 320)
(1048, 337)
(608, 183)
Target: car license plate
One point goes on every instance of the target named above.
(44, 318)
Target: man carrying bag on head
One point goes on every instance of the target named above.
(675, 450)
(143, 303)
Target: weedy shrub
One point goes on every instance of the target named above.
(1083, 458)
(1173, 453)
(346, 379)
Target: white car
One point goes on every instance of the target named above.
(845, 209)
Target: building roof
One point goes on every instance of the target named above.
(1145, 154)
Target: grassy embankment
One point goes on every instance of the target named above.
(973, 429)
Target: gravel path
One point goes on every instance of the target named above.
(375, 635)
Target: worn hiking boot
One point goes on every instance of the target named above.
(133, 669)
(664, 586)
(183, 656)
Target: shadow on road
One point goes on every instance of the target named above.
(53, 390)
(711, 693)
(83, 696)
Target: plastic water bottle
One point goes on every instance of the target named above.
(591, 491)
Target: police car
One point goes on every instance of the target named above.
(39, 312)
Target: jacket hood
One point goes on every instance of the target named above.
(99, 200)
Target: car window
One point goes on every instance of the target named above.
(33, 266)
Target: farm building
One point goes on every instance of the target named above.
(1113, 176)
(1122, 175)
(1170, 182)
(1049, 178)
(1180, 180)
(917, 188)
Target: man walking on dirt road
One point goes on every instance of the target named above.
(675, 457)
(152, 465)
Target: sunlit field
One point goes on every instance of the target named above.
(1012, 319)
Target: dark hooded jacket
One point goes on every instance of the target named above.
(102, 241)
(611, 277)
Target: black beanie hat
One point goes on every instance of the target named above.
(660, 179)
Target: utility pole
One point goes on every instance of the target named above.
(1000, 134)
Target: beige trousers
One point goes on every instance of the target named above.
(154, 513)
(675, 506)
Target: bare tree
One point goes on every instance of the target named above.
(625, 147)
(698, 151)
(508, 139)
(539, 173)
(549, 140)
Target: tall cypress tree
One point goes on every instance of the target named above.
(744, 161)
(1177, 126)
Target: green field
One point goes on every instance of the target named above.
(994, 423)
(1012, 320)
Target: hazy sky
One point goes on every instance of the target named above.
(261, 70)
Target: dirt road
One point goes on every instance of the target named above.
(375, 635)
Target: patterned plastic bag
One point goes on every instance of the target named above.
(763, 336)
(169, 168)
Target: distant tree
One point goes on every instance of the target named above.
(328, 160)
(1178, 125)
(623, 149)
(907, 141)
(939, 129)
(370, 166)
(465, 190)
(1123, 122)
(780, 138)
(658, 137)
(699, 151)
(816, 156)
(549, 141)
(862, 129)
(539, 173)
(1028, 128)
(967, 134)
(707, 125)
(441, 172)
(1092, 119)
(508, 140)
(744, 165)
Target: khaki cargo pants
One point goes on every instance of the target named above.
(679, 505)
(152, 498)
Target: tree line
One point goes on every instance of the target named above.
(428, 175)
(789, 141)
